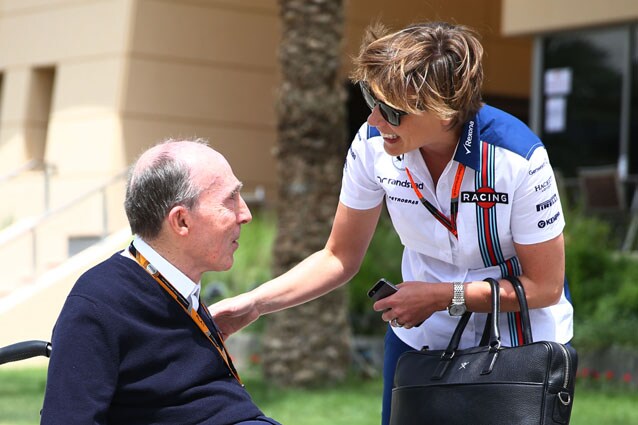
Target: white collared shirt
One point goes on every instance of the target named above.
(184, 285)
(516, 200)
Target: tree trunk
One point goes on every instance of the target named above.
(309, 344)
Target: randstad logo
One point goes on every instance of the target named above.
(395, 182)
(468, 140)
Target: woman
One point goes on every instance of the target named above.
(470, 192)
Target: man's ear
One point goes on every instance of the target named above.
(179, 220)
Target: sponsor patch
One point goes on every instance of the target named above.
(468, 140)
(544, 205)
(397, 161)
(485, 197)
(400, 183)
(543, 186)
(403, 200)
(537, 169)
(551, 220)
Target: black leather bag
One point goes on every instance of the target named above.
(489, 384)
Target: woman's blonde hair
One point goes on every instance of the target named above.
(435, 67)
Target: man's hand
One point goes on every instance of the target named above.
(233, 314)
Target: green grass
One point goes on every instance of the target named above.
(605, 407)
(21, 393)
(355, 402)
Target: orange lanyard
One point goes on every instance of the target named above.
(449, 223)
(217, 340)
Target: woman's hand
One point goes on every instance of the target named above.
(414, 303)
(233, 314)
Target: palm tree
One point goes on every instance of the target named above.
(309, 344)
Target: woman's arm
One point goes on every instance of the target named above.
(543, 267)
(318, 274)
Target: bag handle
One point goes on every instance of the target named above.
(495, 336)
(524, 312)
(491, 333)
(491, 324)
(524, 309)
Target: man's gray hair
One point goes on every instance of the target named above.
(155, 188)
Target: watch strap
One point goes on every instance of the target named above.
(459, 293)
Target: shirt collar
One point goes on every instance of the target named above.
(468, 151)
(184, 285)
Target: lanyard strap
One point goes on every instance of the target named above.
(449, 223)
(215, 339)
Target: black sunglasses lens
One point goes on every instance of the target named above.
(389, 114)
(367, 96)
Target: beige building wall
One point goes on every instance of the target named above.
(507, 61)
(63, 67)
(527, 17)
(206, 69)
(86, 85)
(83, 46)
(127, 73)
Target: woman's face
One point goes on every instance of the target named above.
(415, 131)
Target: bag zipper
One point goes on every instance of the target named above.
(564, 396)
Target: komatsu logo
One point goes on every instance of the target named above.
(485, 197)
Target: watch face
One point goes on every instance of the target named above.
(457, 309)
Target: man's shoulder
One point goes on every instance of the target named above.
(104, 278)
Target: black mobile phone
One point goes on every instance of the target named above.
(382, 289)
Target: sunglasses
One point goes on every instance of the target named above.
(390, 114)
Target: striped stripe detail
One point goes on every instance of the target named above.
(487, 231)
(489, 243)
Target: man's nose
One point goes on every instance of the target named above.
(244, 216)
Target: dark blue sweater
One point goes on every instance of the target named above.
(124, 352)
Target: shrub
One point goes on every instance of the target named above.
(602, 284)
(383, 259)
(253, 260)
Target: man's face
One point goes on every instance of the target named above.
(217, 217)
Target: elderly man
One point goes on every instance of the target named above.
(133, 343)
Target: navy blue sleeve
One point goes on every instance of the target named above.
(83, 368)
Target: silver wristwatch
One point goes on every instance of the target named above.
(457, 307)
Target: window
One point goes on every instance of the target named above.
(633, 120)
(40, 98)
(1, 86)
(583, 75)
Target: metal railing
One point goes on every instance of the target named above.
(33, 165)
(31, 225)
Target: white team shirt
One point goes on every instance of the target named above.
(508, 194)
